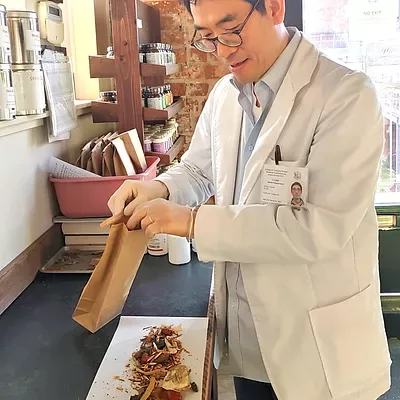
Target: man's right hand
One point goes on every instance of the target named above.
(133, 193)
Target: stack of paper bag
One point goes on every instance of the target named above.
(114, 155)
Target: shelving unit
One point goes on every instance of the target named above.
(129, 73)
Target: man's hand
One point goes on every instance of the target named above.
(161, 216)
(131, 194)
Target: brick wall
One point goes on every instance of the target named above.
(200, 70)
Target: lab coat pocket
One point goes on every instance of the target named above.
(298, 163)
(352, 342)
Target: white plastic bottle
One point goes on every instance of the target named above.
(178, 250)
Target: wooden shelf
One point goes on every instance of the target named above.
(103, 67)
(108, 112)
(167, 158)
(151, 70)
(150, 114)
(104, 112)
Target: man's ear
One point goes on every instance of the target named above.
(276, 9)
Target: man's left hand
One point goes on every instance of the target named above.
(161, 216)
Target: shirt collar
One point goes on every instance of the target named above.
(274, 77)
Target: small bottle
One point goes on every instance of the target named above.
(155, 99)
(158, 246)
(166, 96)
(173, 55)
(170, 95)
(144, 97)
(153, 55)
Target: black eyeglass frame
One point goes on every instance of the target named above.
(217, 38)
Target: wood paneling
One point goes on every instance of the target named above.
(150, 32)
(105, 112)
(20, 273)
(127, 65)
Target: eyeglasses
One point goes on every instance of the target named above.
(230, 39)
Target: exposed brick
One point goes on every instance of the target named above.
(191, 72)
(197, 89)
(181, 55)
(178, 88)
(195, 104)
(215, 71)
(184, 123)
(196, 56)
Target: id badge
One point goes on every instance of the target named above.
(285, 185)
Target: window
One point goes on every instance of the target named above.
(365, 35)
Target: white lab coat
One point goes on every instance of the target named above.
(310, 276)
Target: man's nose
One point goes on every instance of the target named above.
(224, 51)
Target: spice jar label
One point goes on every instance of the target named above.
(4, 38)
(32, 40)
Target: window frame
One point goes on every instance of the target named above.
(294, 17)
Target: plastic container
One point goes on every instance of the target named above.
(178, 250)
(158, 246)
(88, 197)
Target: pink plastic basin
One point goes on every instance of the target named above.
(88, 197)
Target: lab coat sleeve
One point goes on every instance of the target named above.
(191, 182)
(343, 165)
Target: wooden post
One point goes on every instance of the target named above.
(127, 65)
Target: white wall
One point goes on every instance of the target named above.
(14, 4)
(27, 203)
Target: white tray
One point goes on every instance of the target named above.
(127, 340)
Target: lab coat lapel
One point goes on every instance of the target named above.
(299, 75)
(227, 144)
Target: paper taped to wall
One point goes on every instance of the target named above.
(62, 170)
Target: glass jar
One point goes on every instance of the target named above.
(155, 99)
(163, 54)
(109, 97)
(142, 53)
(144, 96)
(170, 95)
(160, 143)
(173, 55)
(148, 141)
(153, 54)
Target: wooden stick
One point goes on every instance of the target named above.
(115, 219)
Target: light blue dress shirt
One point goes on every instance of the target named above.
(244, 353)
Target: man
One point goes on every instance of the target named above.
(297, 290)
(297, 190)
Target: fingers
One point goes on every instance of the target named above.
(136, 218)
(117, 202)
(132, 206)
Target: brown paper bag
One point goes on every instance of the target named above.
(134, 149)
(96, 157)
(108, 161)
(85, 154)
(104, 296)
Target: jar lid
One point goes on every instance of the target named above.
(21, 14)
(26, 67)
(109, 93)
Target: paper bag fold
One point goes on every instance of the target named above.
(104, 296)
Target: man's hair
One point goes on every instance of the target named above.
(296, 184)
(260, 7)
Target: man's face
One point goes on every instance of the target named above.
(261, 41)
(296, 192)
